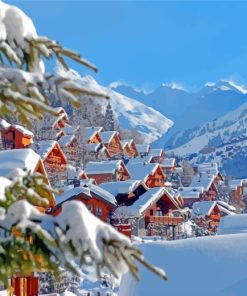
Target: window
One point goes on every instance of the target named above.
(151, 212)
(99, 211)
(90, 208)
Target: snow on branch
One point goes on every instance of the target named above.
(24, 85)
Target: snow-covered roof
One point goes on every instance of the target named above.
(100, 193)
(139, 159)
(107, 136)
(156, 152)
(70, 129)
(190, 192)
(66, 140)
(10, 160)
(226, 211)
(168, 163)
(233, 224)
(122, 187)
(202, 208)
(91, 131)
(226, 205)
(94, 147)
(202, 180)
(4, 125)
(71, 191)
(146, 200)
(234, 184)
(208, 168)
(44, 147)
(140, 171)
(143, 148)
(124, 143)
(59, 110)
(103, 167)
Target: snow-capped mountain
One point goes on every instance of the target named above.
(166, 98)
(223, 140)
(131, 114)
(213, 101)
(189, 109)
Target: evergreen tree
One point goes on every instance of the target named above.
(109, 123)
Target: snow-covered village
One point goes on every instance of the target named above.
(112, 189)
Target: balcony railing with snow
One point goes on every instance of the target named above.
(166, 220)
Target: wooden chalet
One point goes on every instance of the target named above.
(96, 151)
(52, 126)
(237, 194)
(150, 173)
(25, 159)
(61, 120)
(133, 148)
(52, 155)
(15, 136)
(209, 183)
(93, 134)
(225, 208)
(69, 145)
(125, 192)
(126, 149)
(206, 214)
(168, 165)
(152, 213)
(70, 129)
(191, 195)
(112, 142)
(143, 149)
(100, 202)
(158, 155)
(107, 171)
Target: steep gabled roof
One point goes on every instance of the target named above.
(168, 163)
(18, 158)
(91, 131)
(108, 136)
(122, 187)
(203, 180)
(70, 129)
(190, 192)
(146, 200)
(140, 171)
(203, 208)
(45, 147)
(156, 152)
(143, 148)
(142, 160)
(66, 140)
(4, 125)
(104, 167)
(72, 192)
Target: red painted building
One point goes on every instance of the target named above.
(15, 136)
(107, 171)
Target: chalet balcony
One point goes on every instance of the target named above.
(165, 220)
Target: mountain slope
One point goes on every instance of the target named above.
(189, 109)
(223, 140)
(166, 98)
(130, 113)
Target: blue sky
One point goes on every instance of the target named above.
(146, 43)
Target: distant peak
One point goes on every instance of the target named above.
(226, 85)
(173, 85)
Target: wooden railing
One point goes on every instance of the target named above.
(166, 220)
